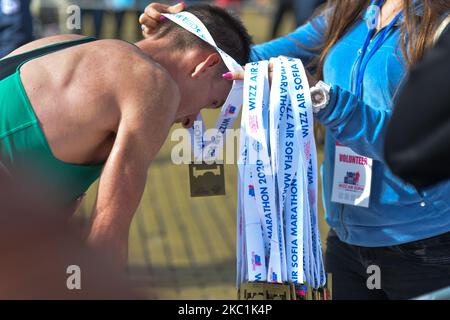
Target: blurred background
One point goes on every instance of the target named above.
(265, 19)
(180, 248)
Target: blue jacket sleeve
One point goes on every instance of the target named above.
(356, 124)
(302, 43)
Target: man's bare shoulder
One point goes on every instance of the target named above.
(115, 69)
(136, 75)
(122, 61)
(132, 60)
(36, 44)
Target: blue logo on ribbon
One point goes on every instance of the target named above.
(274, 276)
(231, 110)
(258, 260)
(251, 190)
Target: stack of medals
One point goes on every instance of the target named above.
(279, 251)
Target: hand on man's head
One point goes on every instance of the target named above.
(153, 15)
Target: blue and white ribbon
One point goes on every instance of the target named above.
(279, 152)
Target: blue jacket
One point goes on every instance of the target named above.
(398, 213)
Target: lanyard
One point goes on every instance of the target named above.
(307, 174)
(366, 56)
(278, 178)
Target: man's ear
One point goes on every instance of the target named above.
(206, 65)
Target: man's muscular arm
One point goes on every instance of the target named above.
(148, 105)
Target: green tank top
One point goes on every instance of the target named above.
(24, 149)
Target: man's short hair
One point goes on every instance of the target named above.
(227, 31)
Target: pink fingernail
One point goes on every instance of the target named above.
(162, 18)
(227, 76)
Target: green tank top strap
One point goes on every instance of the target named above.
(10, 65)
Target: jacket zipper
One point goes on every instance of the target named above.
(354, 70)
(341, 218)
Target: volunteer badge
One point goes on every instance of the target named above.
(352, 178)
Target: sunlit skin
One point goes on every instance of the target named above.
(113, 102)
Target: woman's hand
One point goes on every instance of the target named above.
(152, 16)
(240, 75)
(232, 76)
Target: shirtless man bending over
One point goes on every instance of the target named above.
(73, 109)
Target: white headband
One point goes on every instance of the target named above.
(231, 108)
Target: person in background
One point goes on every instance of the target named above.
(48, 17)
(302, 9)
(120, 8)
(95, 8)
(16, 25)
(417, 142)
